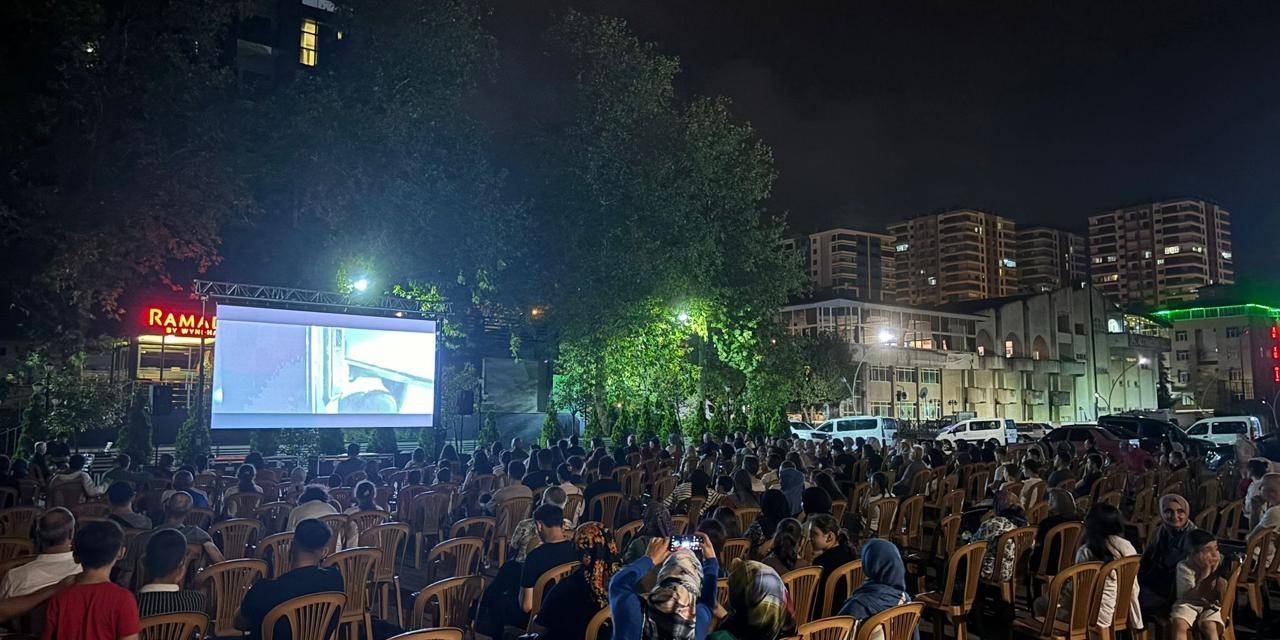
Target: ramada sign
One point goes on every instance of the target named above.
(191, 324)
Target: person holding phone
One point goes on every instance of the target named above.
(680, 604)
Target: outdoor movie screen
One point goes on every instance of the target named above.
(281, 369)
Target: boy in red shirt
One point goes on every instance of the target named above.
(94, 608)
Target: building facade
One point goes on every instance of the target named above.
(1062, 356)
(954, 256)
(1049, 259)
(849, 263)
(1156, 253)
(281, 37)
(1224, 357)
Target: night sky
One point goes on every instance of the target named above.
(1045, 112)
(1041, 111)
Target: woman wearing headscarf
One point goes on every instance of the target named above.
(815, 500)
(679, 605)
(792, 481)
(1168, 545)
(1008, 516)
(774, 508)
(758, 604)
(572, 602)
(657, 524)
(885, 585)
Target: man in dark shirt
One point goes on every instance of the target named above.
(545, 475)
(556, 549)
(1092, 474)
(517, 449)
(306, 578)
(575, 446)
(352, 463)
(120, 497)
(605, 484)
(1061, 470)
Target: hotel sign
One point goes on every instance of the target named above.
(171, 322)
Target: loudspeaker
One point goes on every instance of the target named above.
(466, 402)
(161, 400)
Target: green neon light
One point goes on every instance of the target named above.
(1215, 311)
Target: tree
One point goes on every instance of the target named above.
(194, 440)
(550, 428)
(330, 441)
(593, 427)
(265, 441)
(488, 430)
(427, 442)
(135, 434)
(383, 440)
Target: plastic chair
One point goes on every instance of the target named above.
(622, 535)
(228, 582)
(86, 510)
(453, 599)
(356, 566)
(954, 605)
(199, 517)
(1076, 626)
(240, 505)
(598, 621)
(1126, 576)
(544, 583)
(633, 484)
(274, 549)
(733, 548)
(662, 487)
(426, 513)
(390, 538)
(173, 626)
(849, 576)
(1021, 539)
(833, 628)
(438, 633)
(236, 535)
(838, 509)
(18, 521)
(886, 510)
(898, 623)
(1065, 535)
(1229, 520)
(11, 548)
(337, 524)
(1254, 574)
(907, 533)
(607, 504)
(747, 516)
(456, 557)
(311, 616)
(802, 584)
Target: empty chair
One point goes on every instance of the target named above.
(447, 603)
(236, 535)
(356, 566)
(733, 548)
(840, 584)
(17, 521)
(833, 628)
(606, 506)
(11, 548)
(1073, 604)
(456, 557)
(960, 590)
(390, 538)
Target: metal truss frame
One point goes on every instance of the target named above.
(236, 291)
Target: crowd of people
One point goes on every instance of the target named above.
(811, 502)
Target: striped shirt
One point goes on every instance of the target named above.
(684, 491)
(162, 599)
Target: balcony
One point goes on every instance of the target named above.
(1006, 396)
(975, 394)
(1032, 396)
(1060, 398)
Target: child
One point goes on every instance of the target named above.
(1200, 589)
(94, 608)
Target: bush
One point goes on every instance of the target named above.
(670, 426)
(593, 428)
(194, 440)
(622, 425)
(265, 441)
(550, 428)
(383, 441)
(34, 428)
(698, 425)
(330, 441)
(646, 425)
(488, 431)
(427, 441)
(299, 442)
(135, 433)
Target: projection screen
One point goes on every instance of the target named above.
(281, 369)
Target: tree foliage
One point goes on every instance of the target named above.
(135, 433)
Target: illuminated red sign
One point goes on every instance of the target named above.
(190, 324)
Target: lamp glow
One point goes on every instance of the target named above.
(361, 284)
(683, 317)
(885, 336)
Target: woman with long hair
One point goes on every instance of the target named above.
(831, 542)
(743, 495)
(245, 475)
(774, 508)
(1103, 541)
(784, 553)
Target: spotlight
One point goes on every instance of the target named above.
(360, 284)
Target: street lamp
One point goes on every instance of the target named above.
(361, 284)
(884, 337)
(1141, 361)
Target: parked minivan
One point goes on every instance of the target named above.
(1225, 430)
(880, 427)
(980, 430)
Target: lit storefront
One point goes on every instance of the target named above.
(170, 342)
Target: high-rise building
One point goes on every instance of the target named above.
(964, 254)
(1050, 259)
(1160, 252)
(855, 264)
(280, 37)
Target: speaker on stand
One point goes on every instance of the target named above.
(466, 406)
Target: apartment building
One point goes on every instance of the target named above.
(1061, 356)
(849, 263)
(1224, 357)
(962, 254)
(1050, 259)
(1156, 253)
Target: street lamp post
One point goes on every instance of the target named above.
(1141, 361)
(883, 337)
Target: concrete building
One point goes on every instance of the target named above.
(277, 38)
(964, 254)
(1224, 357)
(1156, 253)
(1050, 259)
(849, 263)
(1061, 356)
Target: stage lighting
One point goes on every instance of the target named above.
(360, 284)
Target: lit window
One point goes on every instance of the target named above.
(1146, 254)
(1097, 259)
(1111, 277)
(1159, 260)
(1111, 258)
(1197, 248)
(902, 247)
(933, 281)
(1008, 348)
(307, 47)
(1168, 251)
(1226, 255)
(1009, 263)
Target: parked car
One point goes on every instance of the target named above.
(980, 430)
(1150, 432)
(1224, 431)
(1080, 435)
(800, 428)
(880, 427)
(1029, 431)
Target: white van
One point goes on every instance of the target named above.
(981, 430)
(1222, 431)
(867, 427)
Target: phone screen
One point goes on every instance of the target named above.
(692, 543)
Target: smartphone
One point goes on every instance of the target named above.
(692, 543)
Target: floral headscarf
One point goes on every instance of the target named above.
(679, 584)
(599, 557)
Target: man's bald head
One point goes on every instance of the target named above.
(55, 527)
(177, 506)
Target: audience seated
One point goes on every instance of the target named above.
(313, 503)
(164, 567)
(54, 531)
(306, 577)
(94, 608)
(556, 549)
(885, 584)
(75, 473)
(184, 481)
(680, 604)
(572, 602)
(1169, 544)
(176, 509)
(120, 497)
(352, 463)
